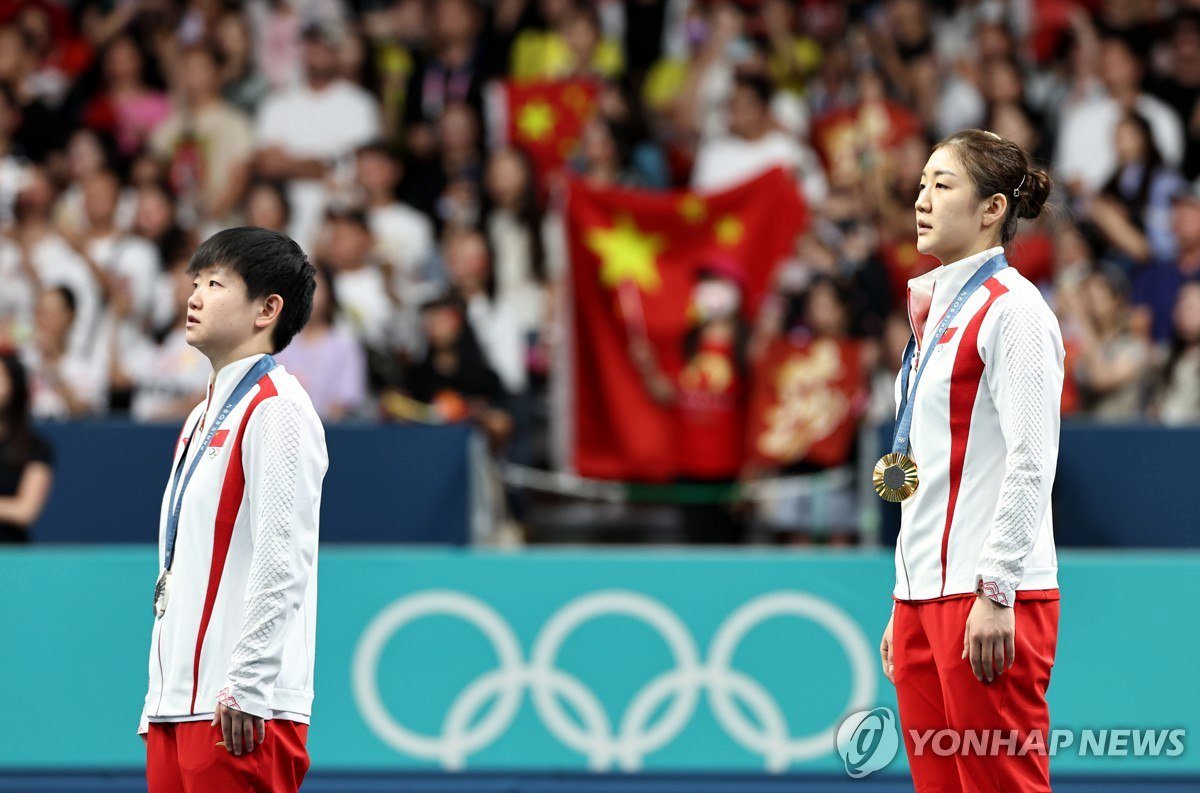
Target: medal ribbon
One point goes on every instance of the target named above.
(264, 365)
(900, 437)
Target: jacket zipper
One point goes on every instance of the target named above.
(162, 682)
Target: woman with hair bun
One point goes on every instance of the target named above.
(972, 461)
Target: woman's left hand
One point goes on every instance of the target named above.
(990, 639)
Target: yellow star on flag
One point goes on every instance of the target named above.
(536, 120)
(729, 231)
(692, 209)
(627, 254)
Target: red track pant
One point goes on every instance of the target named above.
(183, 758)
(937, 690)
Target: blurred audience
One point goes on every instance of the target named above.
(327, 359)
(206, 142)
(307, 132)
(1177, 397)
(63, 381)
(164, 375)
(26, 459)
(377, 135)
(1113, 361)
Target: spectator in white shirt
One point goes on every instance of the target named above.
(53, 261)
(11, 165)
(1085, 156)
(469, 266)
(166, 374)
(403, 235)
(120, 259)
(63, 382)
(18, 295)
(755, 145)
(362, 285)
(514, 228)
(307, 134)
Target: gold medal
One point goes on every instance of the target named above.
(895, 477)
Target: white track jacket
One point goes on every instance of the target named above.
(240, 622)
(984, 437)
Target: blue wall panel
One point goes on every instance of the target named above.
(386, 483)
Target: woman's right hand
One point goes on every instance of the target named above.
(886, 652)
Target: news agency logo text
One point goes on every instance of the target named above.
(1083, 743)
(867, 741)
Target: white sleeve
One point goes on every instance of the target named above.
(143, 269)
(369, 123)
(270, 126)
(285, 463)
(1023, 360)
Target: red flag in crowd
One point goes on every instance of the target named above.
(636, 260)
(808, 397)
(546, 119)
(849, 139)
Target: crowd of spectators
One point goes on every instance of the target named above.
(129, 131)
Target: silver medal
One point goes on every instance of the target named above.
(161, 593)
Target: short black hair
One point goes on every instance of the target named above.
(757, 84)
(378, 146)
(270, 263)
(350, 214)
(68, 297)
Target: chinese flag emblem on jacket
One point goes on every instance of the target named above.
(635, 260)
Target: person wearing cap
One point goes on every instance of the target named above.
(307, 134)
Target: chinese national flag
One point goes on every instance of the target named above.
(808, 398)
(546, 119)
(844, 137)
(634, 258)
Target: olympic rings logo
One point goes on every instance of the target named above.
(635, 737)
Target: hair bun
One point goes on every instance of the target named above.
(1034, 194)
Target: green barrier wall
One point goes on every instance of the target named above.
(600, 660)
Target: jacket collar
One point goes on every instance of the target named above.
(222, 383)
(929, 295)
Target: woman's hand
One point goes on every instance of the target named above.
(239, 730)
(990, 639)
(886, 652)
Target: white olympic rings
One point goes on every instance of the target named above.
(635, 738)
